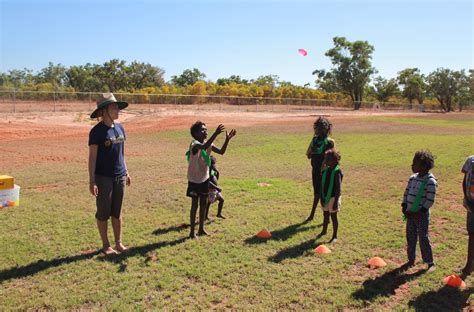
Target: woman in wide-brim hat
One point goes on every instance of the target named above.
(108, 172)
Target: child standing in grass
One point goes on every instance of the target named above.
(418, 198)
(468, 190)
(331, 181)
(214, 190)
(318, 146)
(198, 170)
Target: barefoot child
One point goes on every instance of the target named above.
(418, 198)
(468, 190)
(214, 190)
(318, 146)
(331, 181)
(198, 170)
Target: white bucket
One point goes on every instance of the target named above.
(10, 197)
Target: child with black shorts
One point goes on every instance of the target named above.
(198, 170)
(320, 143)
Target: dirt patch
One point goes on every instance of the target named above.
(27, 138)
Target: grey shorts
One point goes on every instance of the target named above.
(110, 197)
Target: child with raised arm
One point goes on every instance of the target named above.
(418, 198)
(331, 181)
(198, 170)
(320, 143)
(468, 190)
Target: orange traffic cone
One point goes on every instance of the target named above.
(454, 281)
(264, 234)
(376, 262)
(322, 249)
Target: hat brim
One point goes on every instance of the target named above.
(121, 105)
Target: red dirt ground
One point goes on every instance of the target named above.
(41, 128)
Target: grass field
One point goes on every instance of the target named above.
(49, 258)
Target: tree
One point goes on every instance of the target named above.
(53, 74)
(413, 84)
(232, 79)
(188, 77)
(19, 77)
(445, 85)
(384, 89)
(142, 75)
(267, 80)
(84, 78)
(466, 93)
(114, 75)
(352, 69)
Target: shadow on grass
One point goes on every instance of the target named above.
(384, 285)
(446, 298)
(139, 251)
(282, 234)
(293, 251)
(174, 228)
(40, 265)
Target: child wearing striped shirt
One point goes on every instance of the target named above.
(418, 198)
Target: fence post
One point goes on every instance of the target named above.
(54, 101)
(14, 100)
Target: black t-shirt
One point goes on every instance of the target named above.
(110, 154)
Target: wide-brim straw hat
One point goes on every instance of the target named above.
(104, 100)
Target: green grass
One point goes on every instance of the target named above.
(48, 259)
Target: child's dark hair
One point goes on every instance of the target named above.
(323, 123)
(196, 127)
(332, 153)
(213, 160)
(426, 159)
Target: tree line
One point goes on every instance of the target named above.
(352, 77)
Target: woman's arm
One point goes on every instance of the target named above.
(92, 161)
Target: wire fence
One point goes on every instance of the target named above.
(40, 101)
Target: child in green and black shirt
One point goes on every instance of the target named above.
(320, 143)
(331, 181)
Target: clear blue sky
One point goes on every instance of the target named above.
(246, 38)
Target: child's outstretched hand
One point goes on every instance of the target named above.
(220, 128)
(231, 134)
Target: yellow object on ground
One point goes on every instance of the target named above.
(6, 182)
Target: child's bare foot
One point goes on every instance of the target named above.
(221, 216)
(192, 235)
(202, 233)
(333, 240)
(109, 251)
(309, 219)
(120, 247)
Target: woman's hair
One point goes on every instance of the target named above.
(196, 127)
(322, 123)
(426, 159)
(333, 154)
